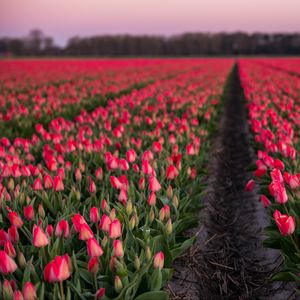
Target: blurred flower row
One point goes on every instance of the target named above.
(96, 207)
(274, 115)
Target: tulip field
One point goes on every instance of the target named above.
(104, 167)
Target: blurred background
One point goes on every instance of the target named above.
(149, 28)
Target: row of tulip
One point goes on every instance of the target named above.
(32, 92)
(274, 116)
(96, 207)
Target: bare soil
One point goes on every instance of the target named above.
(228, 261)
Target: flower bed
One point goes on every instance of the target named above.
(274, 116)
(95, 207)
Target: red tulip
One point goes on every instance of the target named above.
(154, 185)
(58, 184)
(9, 249)
(29, 291)
(100, 293)
(28, 212)
(123, 197)
(77, 220)
(39, 237)
(38, 185)
(7, 264)
(250, 185)
(13, 234)
(152, 199)
(94, 215)
(58, 269)
(49, 229)
(15, 220)
(105, 223)
(99, 174)
(62, 229)
(93, 265)
(115, 229)
(266, 202)
(92, 186)
(280, 194)
(48, 182)
(131, 155)
(118, 248)
(18, 295)
(93, 248)
(172, 172)
(115, 182)
(85, 232)
(286, 224)
(4, 236)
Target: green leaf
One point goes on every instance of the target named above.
(157, 295)
(184, 246)
(156, 280)
(282, 276)
(27, 271)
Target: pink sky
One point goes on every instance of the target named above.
(65, 18)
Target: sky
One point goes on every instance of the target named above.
(63, 19)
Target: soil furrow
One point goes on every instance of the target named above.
(229, 261)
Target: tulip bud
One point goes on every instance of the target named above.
(104, 205)
(151, 215)
(78, 175)
(137, 263)
(132, 223)
(169, 192)
(21, 260)
(169, 227)
(148, 253)
(112, 264)
(118, 284)
(175, 201)
(158, 261)
(112, 214)
(7, 290)
(167, 211)
(129, 207)
(104, 241)
(22, 199)
(136, 219)
(11, 184)
(161, 214)
(41, 211)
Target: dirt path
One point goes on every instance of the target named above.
(229, 262)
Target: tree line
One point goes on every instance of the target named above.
(188, 44)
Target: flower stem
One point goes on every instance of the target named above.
(62, 290)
